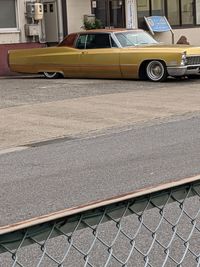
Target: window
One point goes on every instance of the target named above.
(187, 12)
(92, 41)
(69, 40)
(173, 12)
(8, 14)
(143, 8)
(98, 41)
(134, 38)
(80, 44)
(178, 12)
(113, 44)
(110, 12)
(158, 7)
(100, 11)
(181, 12)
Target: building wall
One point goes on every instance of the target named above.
(9, 38)
(192, 35)
(76, 9)
(21, 9)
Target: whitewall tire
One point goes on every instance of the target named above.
(51, 75)
(156, 71)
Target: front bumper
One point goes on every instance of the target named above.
(183, 70)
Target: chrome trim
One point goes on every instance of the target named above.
(183, 70)
(116, 40)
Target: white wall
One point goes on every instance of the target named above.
(192, 35)
(75, 11)
(9, 38)
(22, 19)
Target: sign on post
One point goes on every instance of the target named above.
(159, 24)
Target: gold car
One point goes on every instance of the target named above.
(115, 53)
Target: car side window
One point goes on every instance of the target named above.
(99, 40)
(69, 40)
(90, 41)
(80, 44)
(113, 44)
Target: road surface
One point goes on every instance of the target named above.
(46, 177)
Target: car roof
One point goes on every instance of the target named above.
(107, 30)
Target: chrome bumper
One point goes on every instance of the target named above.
(183, 70)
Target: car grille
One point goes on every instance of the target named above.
(195, 60)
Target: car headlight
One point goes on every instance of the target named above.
(183, 59)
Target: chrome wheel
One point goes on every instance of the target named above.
(51, 75)
(156, 71)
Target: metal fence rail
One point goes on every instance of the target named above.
(157, 226)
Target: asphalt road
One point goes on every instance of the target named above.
(51, 175)
(54, 176)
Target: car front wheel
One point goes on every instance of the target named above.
(156, 71)
(52, 75)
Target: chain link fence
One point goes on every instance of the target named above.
(152, 227)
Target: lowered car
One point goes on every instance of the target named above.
(108, 53)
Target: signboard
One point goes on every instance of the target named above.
(158, 24)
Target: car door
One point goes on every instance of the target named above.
(71, 65)
(99, 57)
(69, 58)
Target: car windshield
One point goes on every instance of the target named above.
(135, 38)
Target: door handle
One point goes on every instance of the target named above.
(84, 52)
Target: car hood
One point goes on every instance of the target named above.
(163, 48)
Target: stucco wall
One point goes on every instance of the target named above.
(192, 35)
(22, 19)
(75, 11)
(9, 37)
